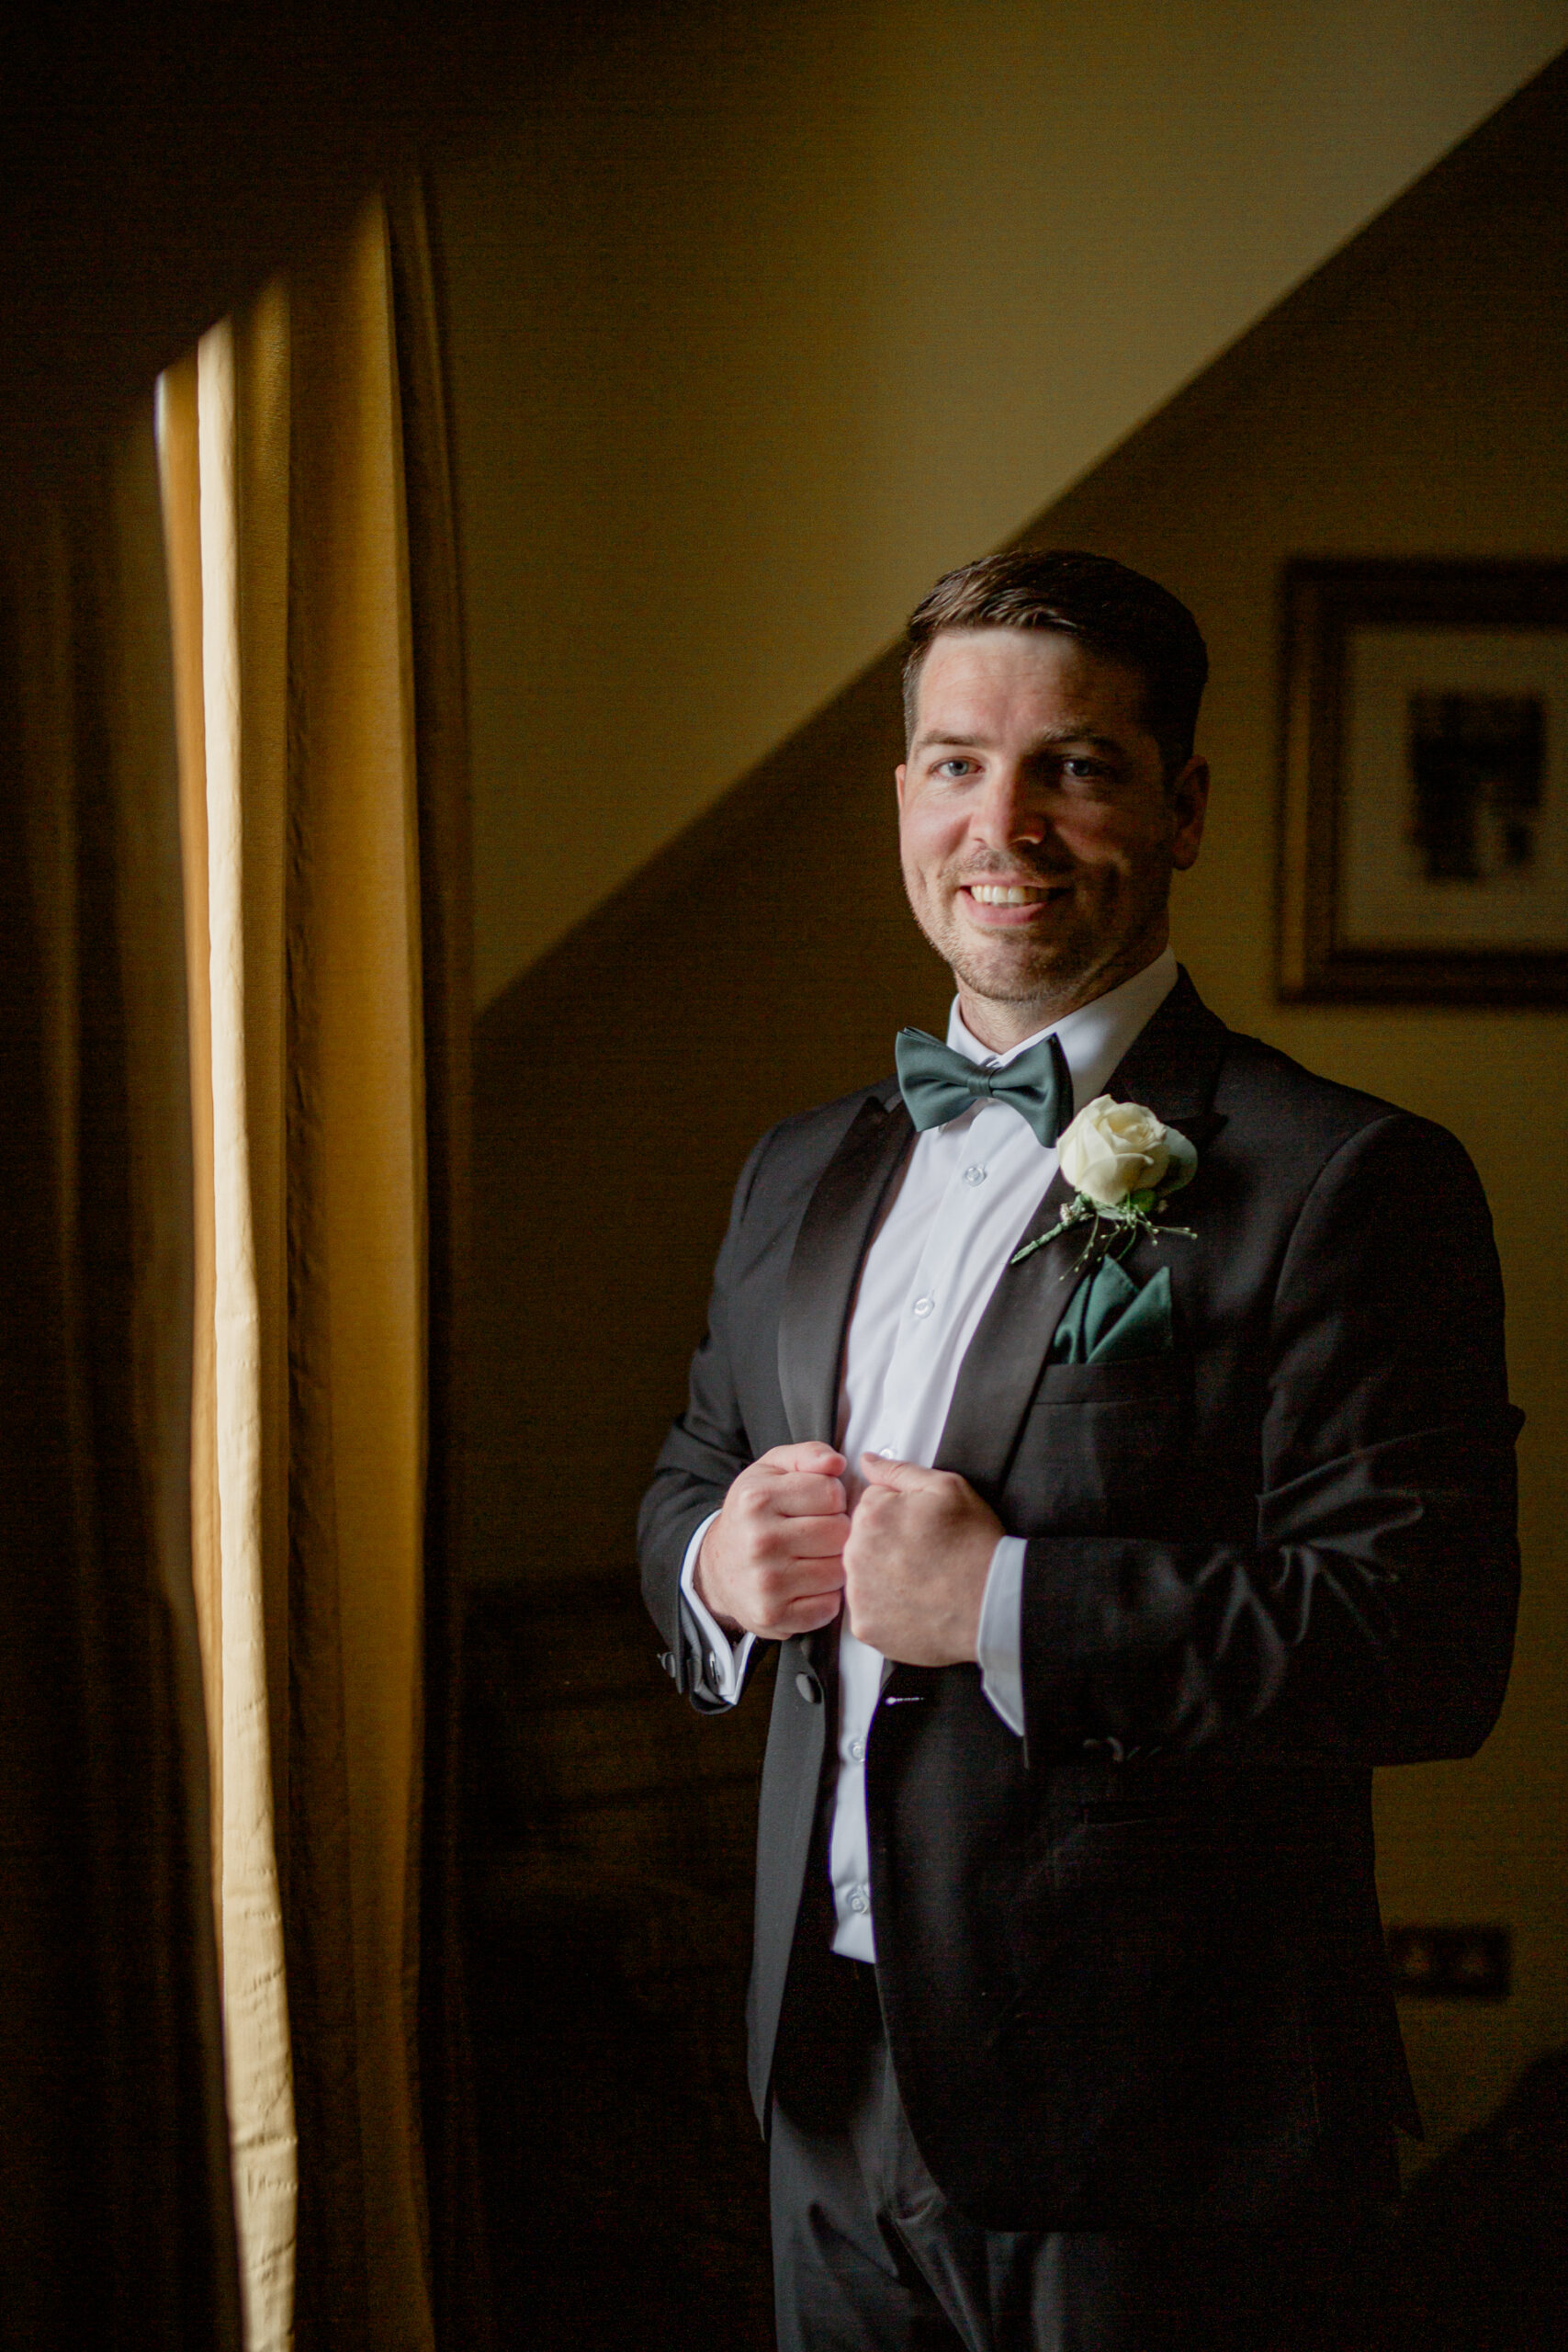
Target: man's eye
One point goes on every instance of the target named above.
(1080, 766)
(955, 768)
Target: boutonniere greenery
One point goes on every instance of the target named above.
(1124, 1165)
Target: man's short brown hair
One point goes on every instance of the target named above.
(1116, 612)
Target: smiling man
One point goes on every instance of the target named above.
(1040, 821)
(1107, 1554)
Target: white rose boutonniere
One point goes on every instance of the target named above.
(1123, 1164)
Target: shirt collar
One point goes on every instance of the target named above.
(1094, 1037)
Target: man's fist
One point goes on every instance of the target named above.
(772, 1561)
(916, 1563)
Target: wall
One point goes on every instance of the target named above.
(1409, 398)
(773, 311)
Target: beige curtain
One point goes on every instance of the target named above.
(304, 720)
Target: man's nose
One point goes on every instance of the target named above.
(1011, 809)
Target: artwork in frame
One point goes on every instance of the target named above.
(1424, 853)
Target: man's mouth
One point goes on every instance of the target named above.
(1015, 899)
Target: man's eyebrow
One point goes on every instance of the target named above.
(956, 739)
(1057, 736)
(1082, 735)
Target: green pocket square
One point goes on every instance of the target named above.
(1110, 1320)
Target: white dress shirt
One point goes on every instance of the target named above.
(953, 1219)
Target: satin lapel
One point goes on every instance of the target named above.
(1009, 1350)
(832, 1240)
(1172, 1065)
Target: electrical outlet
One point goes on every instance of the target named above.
(1451, 1963)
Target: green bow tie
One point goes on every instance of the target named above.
(938, 1084)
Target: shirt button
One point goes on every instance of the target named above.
(973, 1175)
(857, 1751)
(924, 1306)
(860, 1902)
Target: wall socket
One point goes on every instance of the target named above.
(1451, 1963)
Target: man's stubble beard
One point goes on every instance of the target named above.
(1059, 972)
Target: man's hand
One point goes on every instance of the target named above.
(772, 1561)
(916, 1563)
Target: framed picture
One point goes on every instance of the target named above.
(1424, 817)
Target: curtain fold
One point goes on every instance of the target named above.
(261, 2102)
(327, 772)
(460, 2271)
(357, 1301)
(115, 2205)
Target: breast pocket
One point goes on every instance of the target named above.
(1101, 1449)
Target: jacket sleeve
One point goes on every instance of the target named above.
(704, 1453)
(1371, 1620)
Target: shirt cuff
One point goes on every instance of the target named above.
(1001, 1632)
(724, 1667)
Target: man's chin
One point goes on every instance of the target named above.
(1040, 977)
(1017, 969)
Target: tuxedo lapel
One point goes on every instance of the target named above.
(1171, 1066)
(832, 1241)
(1010, 1344)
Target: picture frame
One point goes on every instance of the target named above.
(1424, 803)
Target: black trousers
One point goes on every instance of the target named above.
(869, 2256)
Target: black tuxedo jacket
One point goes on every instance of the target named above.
(1131, 1964)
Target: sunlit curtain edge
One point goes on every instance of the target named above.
(226, 1402)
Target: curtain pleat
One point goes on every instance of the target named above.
(261, 2104)
(326, 766)
(262, 380)
(232, 1149)
(180, 473)
(357, 1325)
(459, 2273)
(115, 2203)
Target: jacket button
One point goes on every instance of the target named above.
(810, 1689)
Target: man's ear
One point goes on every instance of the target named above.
(899, 773)
(1189, 798)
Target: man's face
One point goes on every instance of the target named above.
(1037, 832)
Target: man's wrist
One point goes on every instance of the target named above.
(700, 1586)
(723, 1657)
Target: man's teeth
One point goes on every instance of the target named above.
(1003, 894)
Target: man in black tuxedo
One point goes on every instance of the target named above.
(1106, 1558)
